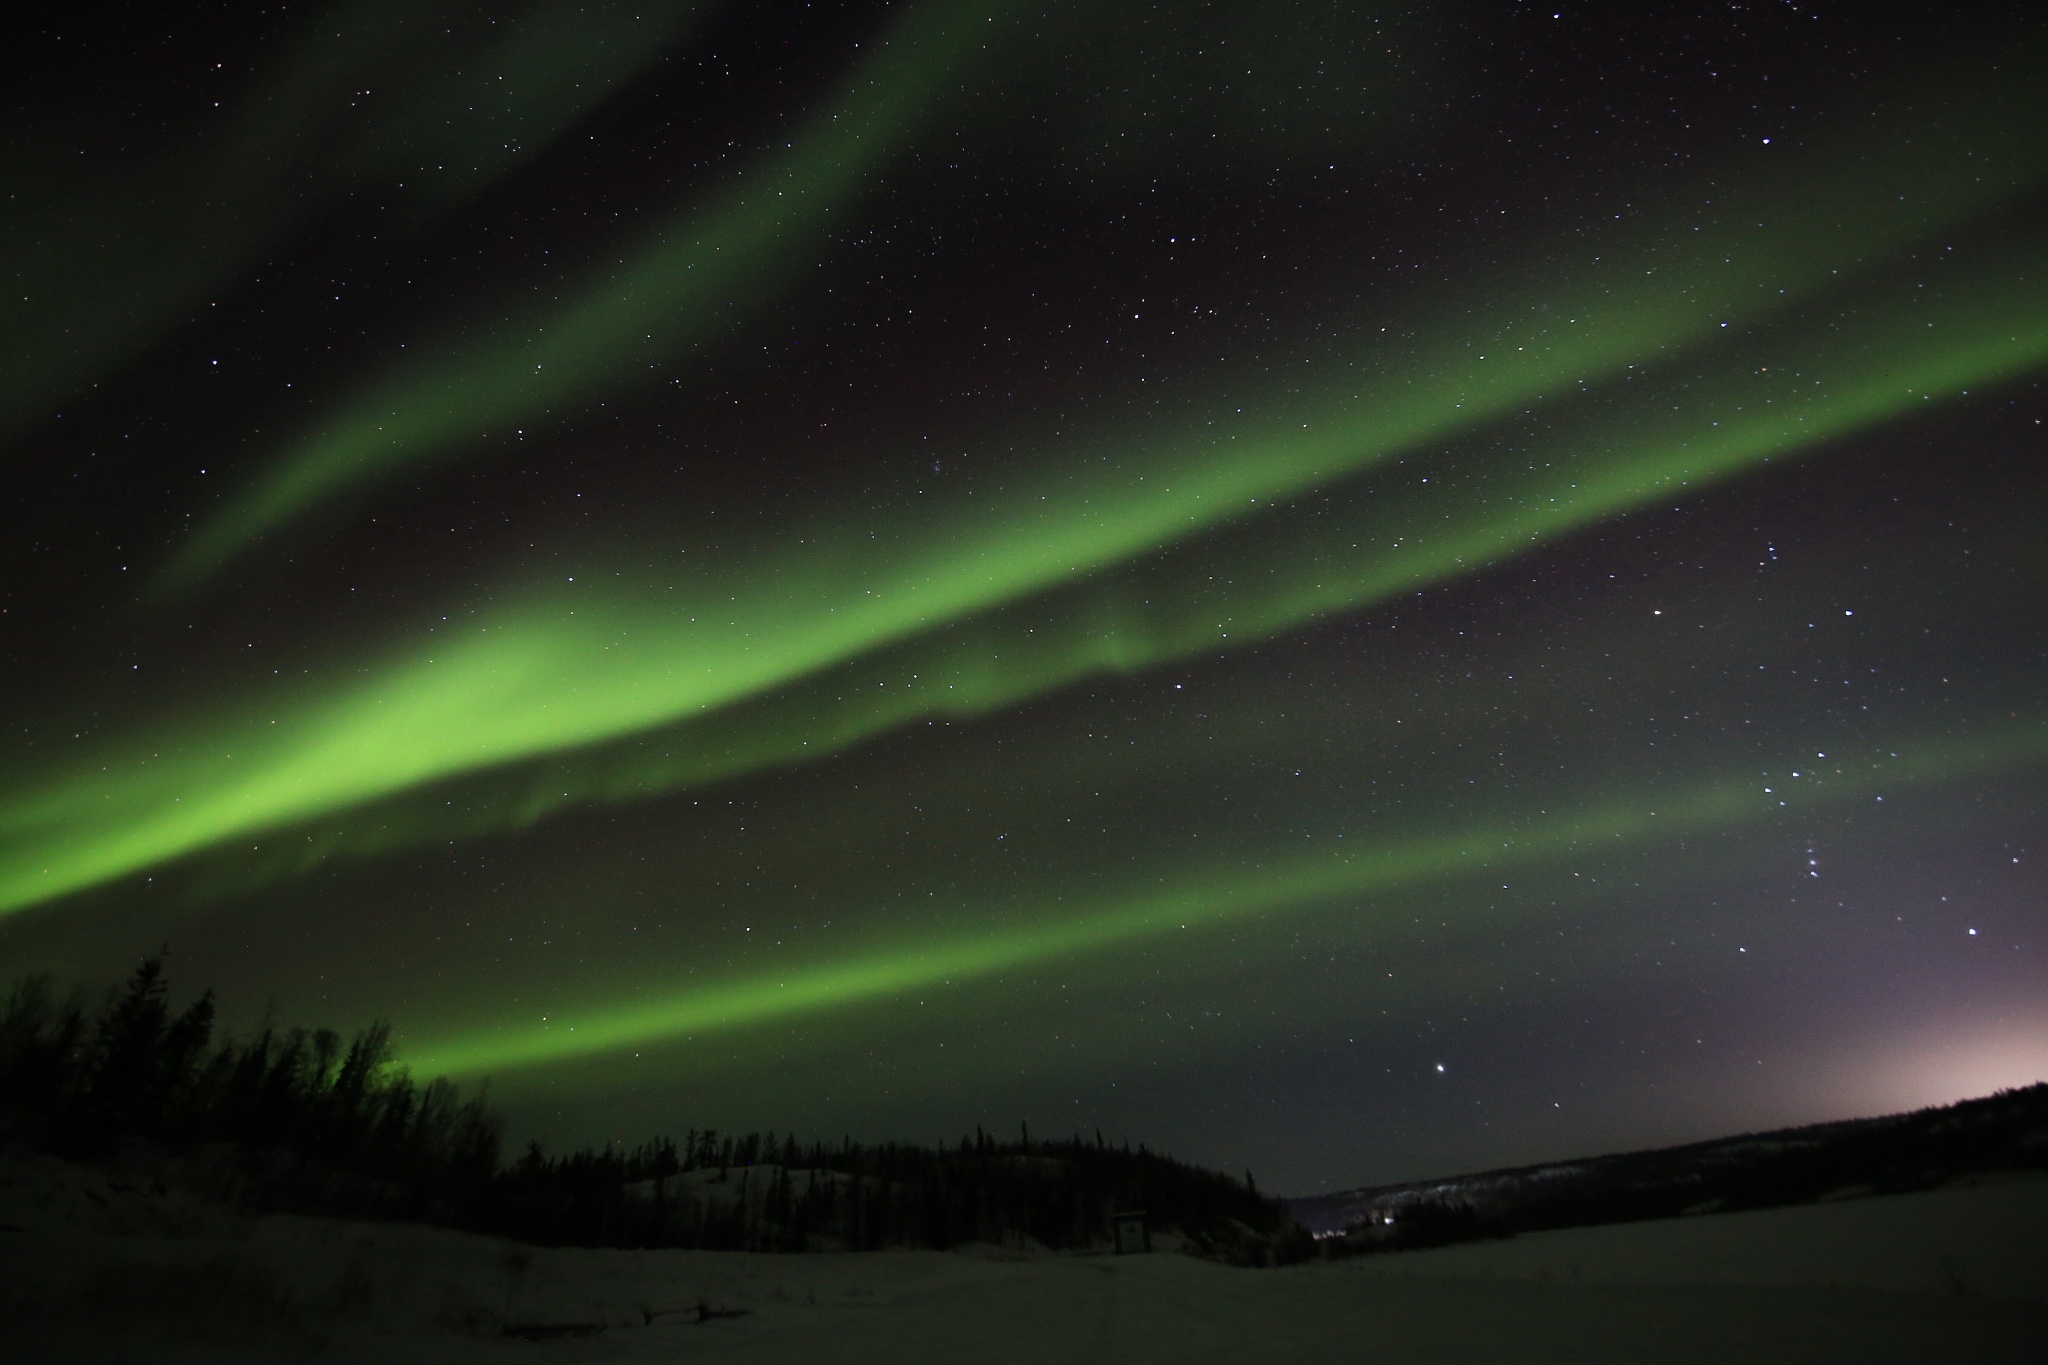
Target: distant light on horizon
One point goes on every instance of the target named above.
(1942, 1068)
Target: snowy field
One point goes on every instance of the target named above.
(96, 1268)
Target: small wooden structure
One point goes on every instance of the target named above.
(1131, 1234)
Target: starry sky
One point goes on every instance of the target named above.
(1356, 591)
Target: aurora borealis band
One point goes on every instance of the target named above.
(1352, 592)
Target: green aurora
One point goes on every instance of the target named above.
(431, 103)
(1206, 898)
(664, 299)
(995, 625)
(570, 667)
(1725, 255)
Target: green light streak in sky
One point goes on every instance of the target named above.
(1205, 899)
(671, 296)
(1784, 227)
(428, 103)
(572, 668)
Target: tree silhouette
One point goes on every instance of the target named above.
(320, 1126)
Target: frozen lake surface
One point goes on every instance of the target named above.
(126, 1274)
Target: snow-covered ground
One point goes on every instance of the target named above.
(100, 1268)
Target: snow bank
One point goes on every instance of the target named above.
(1950, 1275)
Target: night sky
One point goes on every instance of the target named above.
(1355, 591)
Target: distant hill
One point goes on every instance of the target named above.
(1894, 1154)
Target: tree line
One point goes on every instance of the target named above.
(294, 1119)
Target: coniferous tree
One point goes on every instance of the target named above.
(323, 1124)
